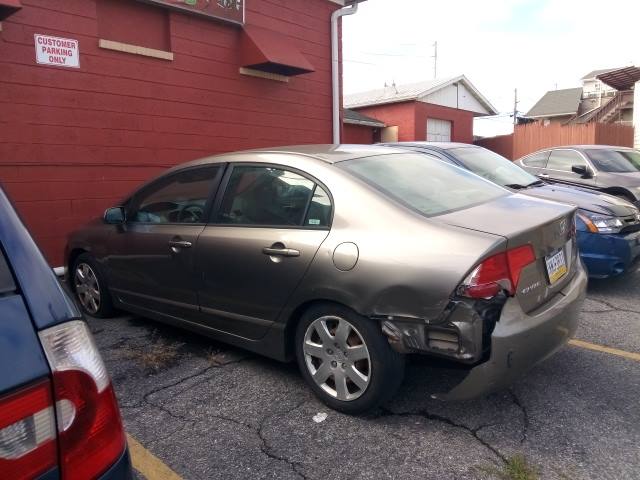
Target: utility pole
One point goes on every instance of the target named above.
(515, 107)
(435, 59)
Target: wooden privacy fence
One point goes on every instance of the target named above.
(502, 144)
(532, 137)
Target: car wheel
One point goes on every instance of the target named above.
(90, 287)
(346, 359)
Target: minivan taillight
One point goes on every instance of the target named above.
(498, 272)
(91, 436)
(27, 432)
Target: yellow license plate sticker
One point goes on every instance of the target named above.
(556, 266)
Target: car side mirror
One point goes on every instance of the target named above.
(582, 170)
(114, 216)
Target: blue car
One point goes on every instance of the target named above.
(59, 418)
(608, 227)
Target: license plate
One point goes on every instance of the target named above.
(556, 266)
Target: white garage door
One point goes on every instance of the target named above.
(438, 130)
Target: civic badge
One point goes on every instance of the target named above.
(563, 226)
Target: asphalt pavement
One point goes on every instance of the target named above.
(211, 411)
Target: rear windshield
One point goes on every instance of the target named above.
(493, 167)
(616, 161)
(428, 185)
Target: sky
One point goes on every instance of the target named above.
(500, 45)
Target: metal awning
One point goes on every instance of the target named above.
(9, 7)
(270, 52)
(621, 79)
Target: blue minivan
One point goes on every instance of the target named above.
(608, 227)
(59, 418)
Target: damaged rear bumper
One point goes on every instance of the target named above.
(521, 340)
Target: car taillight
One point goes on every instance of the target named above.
(27, 432)
(91, 436)
(498, 272)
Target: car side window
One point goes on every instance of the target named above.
(270, 196)
(564, 159)
(319, 213)
(179, 198)
(537, 160)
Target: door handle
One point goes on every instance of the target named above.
(177, 244)
(544, 175)
(280, 252)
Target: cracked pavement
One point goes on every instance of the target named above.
(214, 411)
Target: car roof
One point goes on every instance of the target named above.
(432, 145)
(580, 147)
(325, 152)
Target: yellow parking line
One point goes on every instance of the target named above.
(601, 348)
(145, 462)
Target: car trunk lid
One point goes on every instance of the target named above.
(545, 225)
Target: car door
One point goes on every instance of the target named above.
(559, 168)
(151, 256)
(536, 163)
(266, 229)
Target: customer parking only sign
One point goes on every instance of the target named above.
(61, 52)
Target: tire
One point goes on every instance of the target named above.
(96, 302)
(351, 376)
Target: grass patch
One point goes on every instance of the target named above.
(516, 468)
(154, 356)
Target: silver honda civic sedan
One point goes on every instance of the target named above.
(345, 258)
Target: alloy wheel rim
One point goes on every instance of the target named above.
(337, 358)
(87, 287)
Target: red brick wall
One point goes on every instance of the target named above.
(411, 120)
(401, 115)
(462, 121)
(74, 141)
(358, 134)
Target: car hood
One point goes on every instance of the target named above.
(595, 202)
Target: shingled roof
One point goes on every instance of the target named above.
(356, 118)
(557, 103)
(412, 91)
(595, 73)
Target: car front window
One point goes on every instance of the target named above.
(492, 166)
(430, 187)
(564, 160)
(615, 161)
(179, 198)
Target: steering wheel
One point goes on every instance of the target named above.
(191, 214)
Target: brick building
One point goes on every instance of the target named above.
(100, 95)
(437, 110)
(359, 128)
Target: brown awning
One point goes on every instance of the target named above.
(9, 7)
(270, 52)
(621, 79)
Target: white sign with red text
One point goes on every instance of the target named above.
(61, 52)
